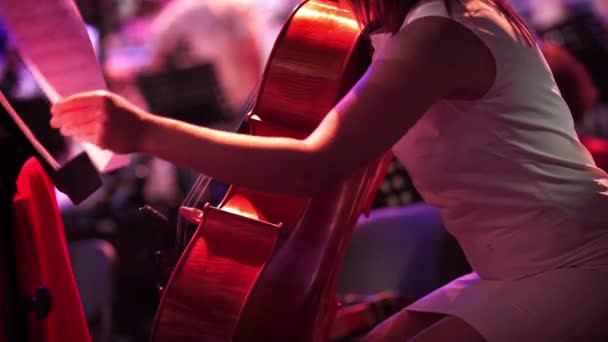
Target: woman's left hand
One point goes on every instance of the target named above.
(101, 118)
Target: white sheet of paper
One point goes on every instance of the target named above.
(52, 39)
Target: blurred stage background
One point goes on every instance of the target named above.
(198, 60)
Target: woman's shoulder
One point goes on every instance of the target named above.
(446, 51)
(426, 8)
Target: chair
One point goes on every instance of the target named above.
(404, 249)
(93, 264)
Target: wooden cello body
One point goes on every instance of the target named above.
(262, 266)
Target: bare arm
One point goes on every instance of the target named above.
(380, 109)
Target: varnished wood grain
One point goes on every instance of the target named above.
(214, 277)
(306, 70)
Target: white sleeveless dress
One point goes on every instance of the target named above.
(518, 191)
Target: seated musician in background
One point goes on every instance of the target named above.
(270, 16)
(461, 93)
(191, 32)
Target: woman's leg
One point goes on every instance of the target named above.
(402, 326)
(449, 328)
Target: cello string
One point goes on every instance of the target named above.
(201, 185)
(247, 106)
(181, 223)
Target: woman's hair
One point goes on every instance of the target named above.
(389, 14)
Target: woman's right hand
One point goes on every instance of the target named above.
(101, 118)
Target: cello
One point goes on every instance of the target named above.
(263, 266)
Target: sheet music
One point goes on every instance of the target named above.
(52, 40)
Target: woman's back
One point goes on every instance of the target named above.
(515, 186)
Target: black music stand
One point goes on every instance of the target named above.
(188, 94)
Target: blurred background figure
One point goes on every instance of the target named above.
(187, 33)
(270, 17)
